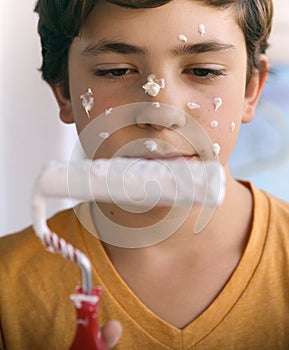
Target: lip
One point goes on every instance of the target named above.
(168, 156)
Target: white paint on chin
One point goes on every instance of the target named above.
(151, 145)
(104, 135)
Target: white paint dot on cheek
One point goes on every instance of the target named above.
(104, 135)
(216, 149)
(233, 127)
(87, 100)
(151, 145)
(192, 105)
(214, 124)
(183, 38)
(202, 29)
(217, 103)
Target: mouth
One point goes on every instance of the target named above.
(166, 156)
(163, 151)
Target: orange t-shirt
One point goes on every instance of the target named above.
(251, 312)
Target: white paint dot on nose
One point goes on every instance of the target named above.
(151, 77)
(161, 82)
(153, 85)
(233, 127)
(152, 88)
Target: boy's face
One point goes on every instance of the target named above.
(119, 48)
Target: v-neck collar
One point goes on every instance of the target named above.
(208, 320)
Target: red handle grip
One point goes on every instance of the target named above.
(88, 335)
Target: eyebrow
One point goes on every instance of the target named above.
(203, 47)
(107, 46)
(123, 48)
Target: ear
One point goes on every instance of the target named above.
(64, 103)
(255, 88)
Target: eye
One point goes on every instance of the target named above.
(200, 72)
(204, 73)
(114, 73)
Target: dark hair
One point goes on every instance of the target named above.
(60, 22)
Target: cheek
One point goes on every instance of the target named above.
(101, 127)
(225, 135)
(104, 102)
(221, 117)
(89, 98)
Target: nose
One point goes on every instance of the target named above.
(159, 111)
(159, 116)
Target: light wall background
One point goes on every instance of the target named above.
(30, 132)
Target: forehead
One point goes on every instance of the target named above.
(154, 25)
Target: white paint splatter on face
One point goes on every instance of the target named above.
(202, 29)
(217, 103)
(192, 105)
(216, 148)
(151, 77)
(87, 100)
(233, 127)
(161, 82)
(156, 105)
(104, 135)
(152, 88)
(183, 38)
(108, 111)
(153, 85)
(151, 145)
(214, 124)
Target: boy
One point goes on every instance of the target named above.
(226, 288)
